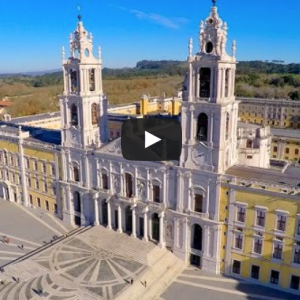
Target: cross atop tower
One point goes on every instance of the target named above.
(214, 2)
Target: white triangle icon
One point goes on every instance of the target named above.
(150, 139)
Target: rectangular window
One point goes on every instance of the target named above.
(53, 190)
(53, 170)
(55, 208)
(260, 218)
(295, 282)
(297, 151)
(255, 272)
(29, 181)
(39, 202)
(104, 178)
(45, 187)
(238, 242)
(44, 170)
(236, 267)
(47, 204)
(275, 149)
(27, 163)
(297, 256)
(156, 193)
(198, 203)
(277, 252)
(31, 199)
(241, 211)
(298, 226)
(11, 160)
(37, 186)
(281, 222)
(257, 246)
(35, 165)
(274, 279)
(287, 150)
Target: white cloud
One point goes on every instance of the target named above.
(173, 23)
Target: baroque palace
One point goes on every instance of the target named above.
(230, 205)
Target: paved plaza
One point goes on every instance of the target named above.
(194, 284)
(31, 228)
(95, 263)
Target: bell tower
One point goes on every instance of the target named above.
(83, 104)
(209, 109)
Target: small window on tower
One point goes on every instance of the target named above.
(92, 79)
(202, 127)
(205, 77)
(209, 47)
(74, 115)
(74, 81)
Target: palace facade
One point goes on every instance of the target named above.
(222, 207)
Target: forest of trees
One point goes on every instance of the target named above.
(38, 94)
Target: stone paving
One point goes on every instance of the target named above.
(89, 263)
(31, 228)
(194, 284)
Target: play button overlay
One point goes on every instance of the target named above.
(151, 139)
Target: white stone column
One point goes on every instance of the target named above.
(162, 243)
(145, 238)
(135, 182)
(189, 176)
(87, 171)
(133, 222)
(108, 215)
(179, 198)
(82, 209)
(120, 230)
(147, 184)
(192, 134)
(190, 97)
(211, 135)
(96, 209)
(207, 199)
(165, 187)
(198, 83)
(110, 177)
(121, 180)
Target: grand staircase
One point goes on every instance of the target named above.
(160, 267)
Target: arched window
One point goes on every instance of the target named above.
(196, 237)
(249, 144)
(77, 202)
(74, 115)
(227, 126)
(92, 79)
(205, 78)
(76, 173)
(202, 127)
(74, 81)
(94, 114)
(128, 185)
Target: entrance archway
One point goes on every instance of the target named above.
(196, 239)
(155, 227)
(104, 213)
(128, 219)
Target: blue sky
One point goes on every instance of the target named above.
(32, 32)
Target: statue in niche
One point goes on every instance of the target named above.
(141, 190)
(94, 114)
(169, 231)
(116, 185)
